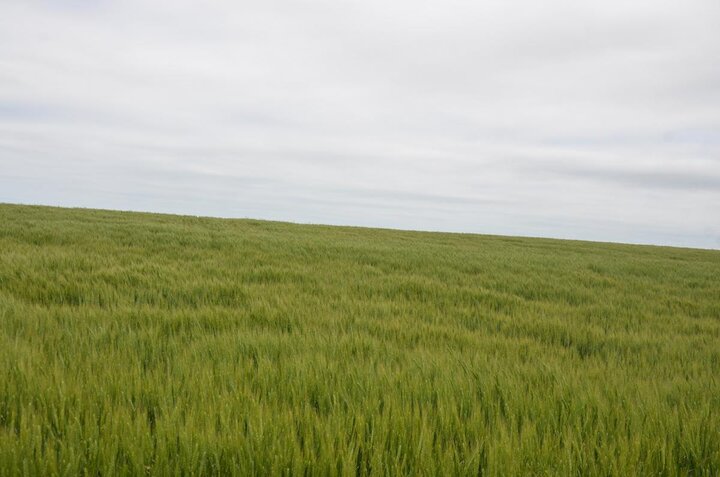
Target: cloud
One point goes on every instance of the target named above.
(594, 121)
(661, 180)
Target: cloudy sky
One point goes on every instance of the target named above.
(572, 119)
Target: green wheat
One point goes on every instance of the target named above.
(135, 344)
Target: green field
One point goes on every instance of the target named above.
(138, 344)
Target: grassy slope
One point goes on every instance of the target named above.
(134, 343)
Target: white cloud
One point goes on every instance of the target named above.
(571, 119)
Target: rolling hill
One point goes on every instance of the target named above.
(135, 344)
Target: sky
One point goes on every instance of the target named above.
(565, 118)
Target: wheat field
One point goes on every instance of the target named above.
(147, 344)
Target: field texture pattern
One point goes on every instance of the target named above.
(141, 344)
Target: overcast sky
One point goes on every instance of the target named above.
(594, 120)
